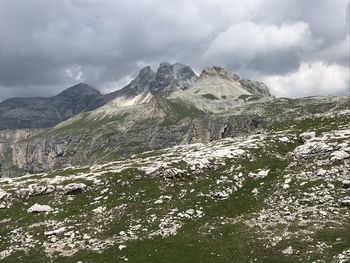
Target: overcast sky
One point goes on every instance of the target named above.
(297, 47)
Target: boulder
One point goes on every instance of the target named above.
(74, 188)
(288, 251)
(37, 208)
(339, 155)
(3, 194)
(345, 201)
(345, 184)
(306, 136)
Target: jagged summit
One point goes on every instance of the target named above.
(171, 78)
(149, 84)
(166, 80)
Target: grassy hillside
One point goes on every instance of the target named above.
(246, 199)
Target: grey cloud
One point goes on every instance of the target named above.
(47, 45)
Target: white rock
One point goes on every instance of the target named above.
(285, 186)
(260, 175)
(339, 155)
(255, 191)
(220, 195)
(99, 210)
(321, 172)
(284, 139)
(307, 136)
(288, 251)
(86, 237)
(3, 194)
(73, 188)
(311, 148)
(324, 213)
(55, 232)
(121, 247)
(345, 201)
(36, 208)
(288, 181)
(190, 211)
(263, 173)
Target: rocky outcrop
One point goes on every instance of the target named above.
(165, 81)
(231, 83)
(43, 154)
(8, 140)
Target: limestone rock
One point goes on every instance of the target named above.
(37, 208)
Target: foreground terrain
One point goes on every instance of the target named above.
(281, 194)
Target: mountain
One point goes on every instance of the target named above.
(148, 84)
(109, 133)
(19, 113)
(278, 195)
(161, 109)
(219, 90)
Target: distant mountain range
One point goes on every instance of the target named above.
(157, 110)
(175, 80)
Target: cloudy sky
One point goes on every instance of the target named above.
(298, 47)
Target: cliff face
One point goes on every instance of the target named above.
(12, 161)
(47, 153)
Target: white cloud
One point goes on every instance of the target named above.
(247, 40)
(316, 78)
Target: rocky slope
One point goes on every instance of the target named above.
(104, 135)
(219, 90)
(279, 195)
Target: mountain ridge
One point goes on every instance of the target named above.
(142, 117)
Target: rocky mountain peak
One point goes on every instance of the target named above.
(171, 78)
(219, 72)
(253, 87)
(168, 79)
(80, 90)
(143, 81)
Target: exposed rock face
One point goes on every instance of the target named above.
(168, 79)
(218, 90)
(9, 165)
(42, 154)
(171, 78)
(226, 84)
(36, 208)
